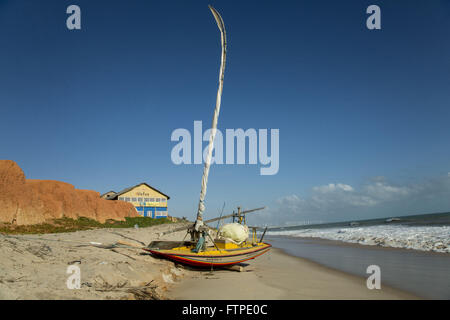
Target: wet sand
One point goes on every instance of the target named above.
(422, 273)
(276, 275)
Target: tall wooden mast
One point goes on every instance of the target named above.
(223, 37)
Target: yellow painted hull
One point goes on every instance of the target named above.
(211, 256)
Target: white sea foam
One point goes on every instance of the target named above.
(424, 238)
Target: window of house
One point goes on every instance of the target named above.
(152, 199)
(140, 199)
(133, 199)
(127, 199)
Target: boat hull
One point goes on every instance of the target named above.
(214, 258)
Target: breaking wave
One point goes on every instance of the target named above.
(425, 238)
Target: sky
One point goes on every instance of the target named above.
(363, 115)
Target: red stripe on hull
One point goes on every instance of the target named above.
(197, 263)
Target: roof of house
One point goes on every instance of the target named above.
(116, 195)
(101, 196)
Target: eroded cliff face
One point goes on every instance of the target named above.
(25, 201)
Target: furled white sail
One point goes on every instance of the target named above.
(234, 232)
(201, 205)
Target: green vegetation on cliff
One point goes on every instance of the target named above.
(82, 223)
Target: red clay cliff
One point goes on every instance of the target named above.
(25, 201)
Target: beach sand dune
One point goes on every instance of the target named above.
(29, 201)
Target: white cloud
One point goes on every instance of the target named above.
(383, 192)
(333, 187)
(340, 201)
(339, 195)
(291, 202)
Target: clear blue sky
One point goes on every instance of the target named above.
(363, 115)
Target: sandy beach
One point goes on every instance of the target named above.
(276, 275)
(35, 267)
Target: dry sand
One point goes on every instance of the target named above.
(36, 269)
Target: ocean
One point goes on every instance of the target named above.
(413, 252)
(426, 232)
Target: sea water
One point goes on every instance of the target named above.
(421, 232)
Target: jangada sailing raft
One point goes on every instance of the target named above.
(232, 244)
